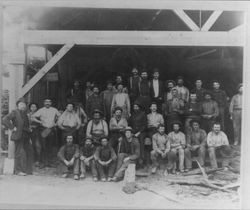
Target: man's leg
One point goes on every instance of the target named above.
(212, 156)
(20, 157)
(225, 160)
(141, 139)
(28, 153)
(111, 169)
(181, 159)
(172, 157)
(120, 173)
(93, 168)
(100, 170)
(237, 126)
(76, 166)
(82, 167)
(154, 156)
(120, 159)
(202, 155)
(188, 158)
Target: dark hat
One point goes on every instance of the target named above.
(118, 108)
(104, 137)
(47, 98)
(208, 93)
(193, 121)
(160, 125)
(156, 70)
(88, 138)
(128, 129)
(176, 122)
(170, 80)
(226, 151)
(239, 86)
(20, 100)
(97, 111)
(137, 103)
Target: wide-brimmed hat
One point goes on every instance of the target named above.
(176, 122)
(194, 120)
(118, 108)
(128, 129)
(97, 111)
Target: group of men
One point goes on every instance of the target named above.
(140, 123)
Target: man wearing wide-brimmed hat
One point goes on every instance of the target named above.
(235, 110)
(129, 152)
(97, 127)
(218, 145)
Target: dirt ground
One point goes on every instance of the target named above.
(46, 189)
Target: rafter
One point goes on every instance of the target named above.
(186, 19)
(211, 20)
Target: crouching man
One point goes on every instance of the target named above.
(161, 146)
(105, 158)
(177, 145)
(218, 145)
(128, 152)
(87, 159)
(69, 158)
(196, 144)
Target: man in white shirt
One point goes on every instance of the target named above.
(47, 117)
(217, 143)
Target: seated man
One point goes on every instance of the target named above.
(87, 159)
(161, 146)
(117, 125)
(196, 144)
(177, 145)
(217, 142)
(129, 152)
(69, 158)
(105, 158)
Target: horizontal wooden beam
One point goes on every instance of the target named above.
(134, 38)
(134, 4)
(47, 67)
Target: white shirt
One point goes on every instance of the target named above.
(216, 140)
(156, 87)
(48, 116)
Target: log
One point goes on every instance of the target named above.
(231, 186)
(198, 171)
(129, 185)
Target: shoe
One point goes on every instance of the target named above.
(165, 173)
(187, 170)
(95, 179)
(103, 180)
(82, 176)
(153, 170)
(114, 179)
(21, 174)
(182, 171)
(109, 179)
(64, 175)
(76, 177)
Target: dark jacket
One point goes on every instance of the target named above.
(19, 120)
(138, 121)
(105, 153)
(67, 152)
(87, 152)
(161, 90)
(220, 97)
(94, 102)
(131, 148)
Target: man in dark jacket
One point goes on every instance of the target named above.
(69, 158)
(105, 158)
(134, 82)
(17, 120)
(129, 152)
(138, 122)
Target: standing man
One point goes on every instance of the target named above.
(95, 101)
(138, 122)
(134, 82)
(75, 94)
(87, 92)
(182, 90)
(235, 110)
(209, 112)
(144, 91)
(105, 158)
(117, 125)
(192, 110)
(177, 145)
(196, 144)
(199, 90)
(47, 117)
(17, 121)
(161, 146)
(157, 89)
(107, 96)
(220, 97)
(218, 145)
(129, 153)
(170, 84)
(118, 81)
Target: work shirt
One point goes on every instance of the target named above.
(131, 148)
(67, 152)
(115, 124)
(156, 87)
(94, 102)
(97, 128)
(48, 116)
(192, 110)
(220, 97)
(154, 119)
(161, 142)
(183, 93)
(138, 121)
(200, 93)
(177, 139)
(236, 103)
(87, 151)
(69, 119)
(173, 106)
(105, 153)
(144, 87)
(217, 140)
(196, 137)
(210, 108)
(121, 100)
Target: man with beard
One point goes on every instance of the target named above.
(170, 84)
(134, 81)
(17, 120)
(97, 127)
(117, 125)
(138, 122)
(87, 159)
(235, 110)
(129, 153)
(183, 92)
(95, 101)
(47, 117)
(144, 91)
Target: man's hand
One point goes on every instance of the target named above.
(82, 158)
(71, 162)
(126, 159)
(137, 134)
(102, 162)
(164, 155)
(66, 162)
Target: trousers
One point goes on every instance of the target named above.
(215, 152)
(201, 152)
(122, 166)
(110, 169)
(65, 169)
(173, 158)
(237, 114)
(92, 166)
